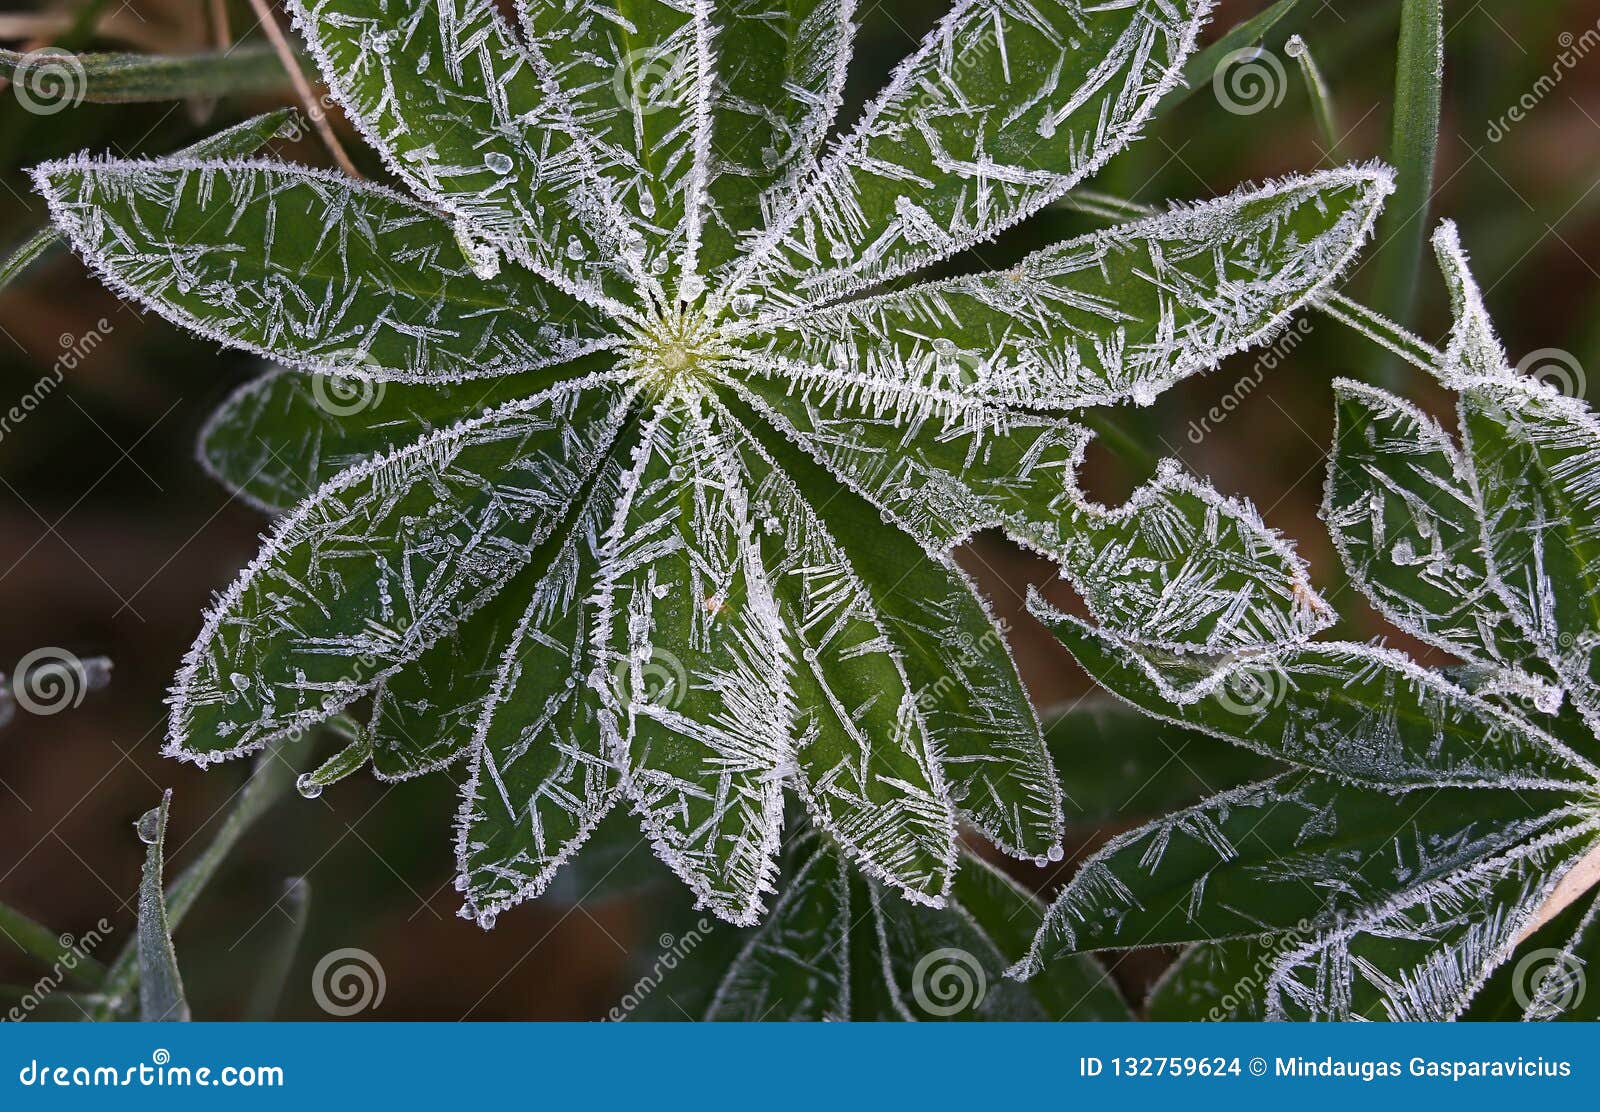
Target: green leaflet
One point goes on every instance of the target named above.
(865, 769)
(470, 502)
(684, 593)
(1117, 315)
(541, 779)
(412, 76)
(1535, 455)
(348, 278)
(1294, 854)
(639, 75)
(974, 133)
(780, 67)
(1351, 711)
(954, 658)
(1408, 526)
(277, 438)
(161, 998)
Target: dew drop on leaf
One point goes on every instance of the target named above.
(498, 162)
(307, 786)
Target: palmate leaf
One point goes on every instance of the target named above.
(586, 486)
(1425, 830)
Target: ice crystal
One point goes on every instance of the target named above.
(601, 472)
(1432, 820)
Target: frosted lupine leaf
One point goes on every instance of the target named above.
(1358, 712)
(695, 640)
(1423, 957)
(861, 747)
(382, 562)
(277, 438)
(1296, 853)
(1118, 315)
(1407, 524)
(541, 778)
(312, 269)
(639, 77)
(461, 112)
(962, 676)
(780, 69)
(1178, 565)
(1005, 106)
(796, 967)
(1536, 461)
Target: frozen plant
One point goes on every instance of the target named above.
(1430, 821)
(606, 464)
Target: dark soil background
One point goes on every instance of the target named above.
(112, 540)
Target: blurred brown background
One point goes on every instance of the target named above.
(112, 540)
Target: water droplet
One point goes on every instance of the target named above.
(660, 265)
(461, 882)
(497, 162)
(647, 204)
(307, 786)
(149, 826)
(746, 303)
(810, 655)
(486, 920)
(1056, 853)
(575, 249)
(239, 680)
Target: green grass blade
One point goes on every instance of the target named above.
(1419, 80)
(123, 78)
(1322, 106)
(272, 778)
(275, 968)
(32, 249)
(49, 947)
(161, 998)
